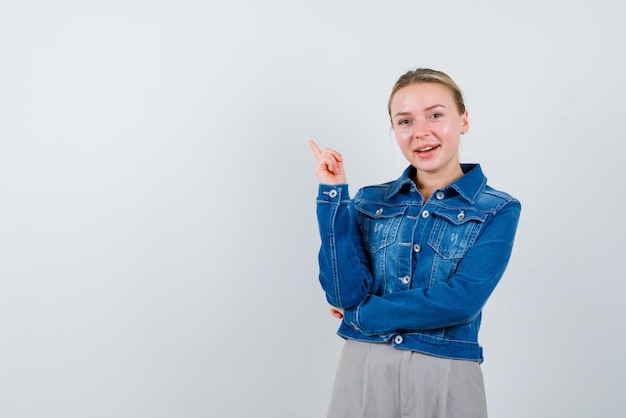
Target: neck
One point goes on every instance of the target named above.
(428, 182)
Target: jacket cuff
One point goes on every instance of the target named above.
(336, 194)
(351, 317)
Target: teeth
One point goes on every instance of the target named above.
(425, 149)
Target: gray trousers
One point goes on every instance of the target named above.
(375, 380)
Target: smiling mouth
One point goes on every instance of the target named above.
(426, 149)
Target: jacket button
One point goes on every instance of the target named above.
(460, 216)
(406, 279)
(332, 193)
(425, 214)
(417, 248)
(398, 339)
(379, 211)
(440, 195)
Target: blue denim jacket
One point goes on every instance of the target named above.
(414, 273)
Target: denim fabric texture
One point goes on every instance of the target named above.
(413, 273)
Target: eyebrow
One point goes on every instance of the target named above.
(425, 110)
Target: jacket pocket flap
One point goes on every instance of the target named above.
(459, 216)
(378, 211)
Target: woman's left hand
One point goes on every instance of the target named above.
(336, 312)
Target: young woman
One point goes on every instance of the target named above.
(408, 265)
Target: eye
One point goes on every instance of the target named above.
(403, 122)
(436, 115)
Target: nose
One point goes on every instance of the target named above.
(420, 128)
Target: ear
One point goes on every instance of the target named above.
(464, 122)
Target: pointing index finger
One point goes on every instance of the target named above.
(316, 150)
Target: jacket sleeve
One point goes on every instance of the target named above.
(344, 269)
(453, 302)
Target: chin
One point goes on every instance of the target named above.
(426, 167)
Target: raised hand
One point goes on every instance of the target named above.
(329, 168)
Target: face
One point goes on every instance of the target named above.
(428, 127)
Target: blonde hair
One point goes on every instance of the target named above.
(427, 75)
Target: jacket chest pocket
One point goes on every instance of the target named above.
(454, 231)
(379, 224)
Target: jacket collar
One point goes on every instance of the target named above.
(469, 186)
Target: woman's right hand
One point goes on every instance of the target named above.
(329, 167)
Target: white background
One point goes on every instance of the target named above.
(158, 241)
